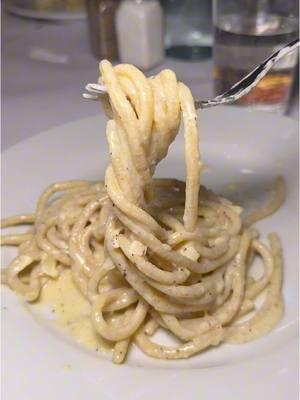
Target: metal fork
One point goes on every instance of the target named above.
(240, 89)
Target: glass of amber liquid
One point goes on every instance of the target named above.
(245, 33)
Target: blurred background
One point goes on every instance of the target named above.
(51, 49)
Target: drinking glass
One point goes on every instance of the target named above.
(245, 33)
(188, 28)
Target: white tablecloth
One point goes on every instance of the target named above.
(45, 67)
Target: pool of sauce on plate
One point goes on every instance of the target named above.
(72, 311)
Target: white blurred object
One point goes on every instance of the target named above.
(139, 25)
(46, 55)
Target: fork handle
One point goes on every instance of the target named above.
(246, 84)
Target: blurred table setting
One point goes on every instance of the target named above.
(48, 55)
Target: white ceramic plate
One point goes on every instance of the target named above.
(244, 151)
(27, 11)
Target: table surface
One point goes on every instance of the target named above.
(45, 67)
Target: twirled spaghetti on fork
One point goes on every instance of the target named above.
(149, 253)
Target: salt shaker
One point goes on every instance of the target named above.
(139, 25)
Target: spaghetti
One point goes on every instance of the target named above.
(151, 254)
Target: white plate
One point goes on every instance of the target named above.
(244, 148)
(27, 12)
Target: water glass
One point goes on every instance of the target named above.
(188, 28)
(245, 33)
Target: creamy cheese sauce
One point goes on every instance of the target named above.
(72, 311)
